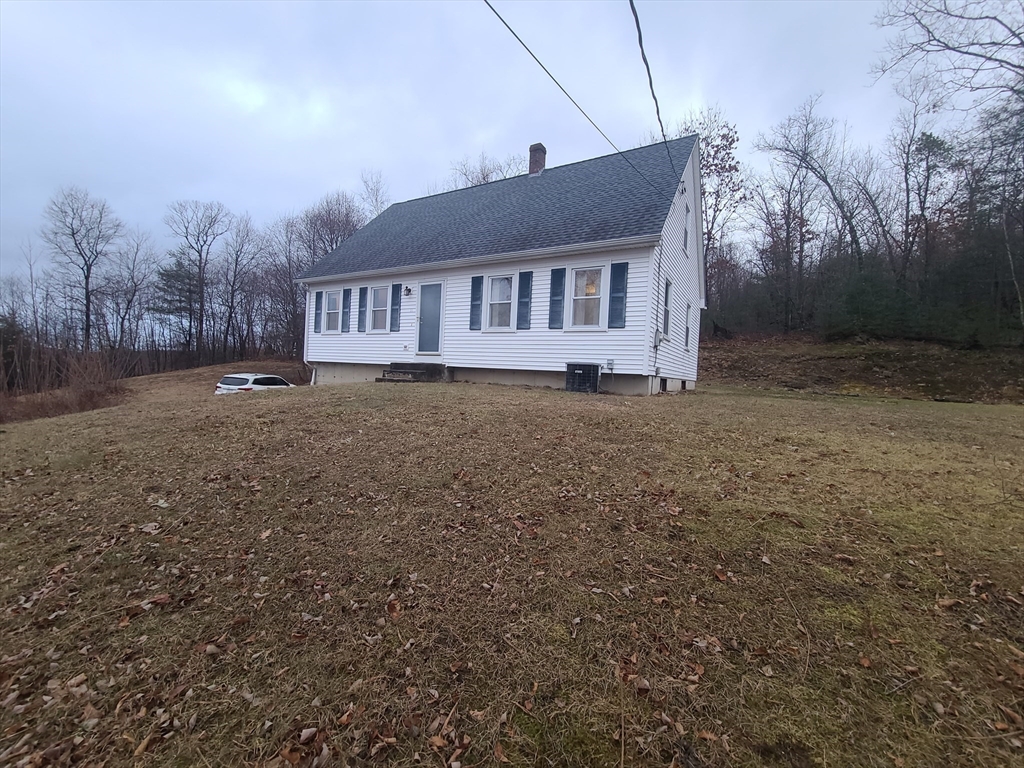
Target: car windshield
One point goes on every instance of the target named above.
(234, 381)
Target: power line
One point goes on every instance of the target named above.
(650, 80)
(582, 111)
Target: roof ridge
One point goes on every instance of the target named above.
(546, 170)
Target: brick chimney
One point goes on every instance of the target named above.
(538, 155)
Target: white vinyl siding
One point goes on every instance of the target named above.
(539, 348)
(680, 279)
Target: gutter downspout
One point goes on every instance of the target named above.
(657, 314)
(305, 338)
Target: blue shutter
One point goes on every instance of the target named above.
(346, 310)
(556, 307)
(361, 319)
(525, 301)
(396, 306)
(617, 296)
(476, 301)
(318, 311)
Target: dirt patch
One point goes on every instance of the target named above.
(914, 370)
(430, 574)
(785, 753)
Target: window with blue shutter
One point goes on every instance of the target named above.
(396, 306)
(318, 311)
(617, 295)
(525, 301)
(361, 317)
(346, 310)
(556, 305)
(476, 301)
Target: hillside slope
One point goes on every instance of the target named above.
(442, 574)
(916, 370)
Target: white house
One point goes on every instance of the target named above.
(587, 267)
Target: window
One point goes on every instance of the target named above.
(270, 381)
(665, 325)
(499, 302)
(333, 311)
(379, 309)
(686, 231)
(686, 343)
(586, 298)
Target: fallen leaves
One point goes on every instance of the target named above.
(144, 744)
(1014, 717)
(394, 608)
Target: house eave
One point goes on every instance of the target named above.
(625, 243)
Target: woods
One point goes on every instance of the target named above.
(225, 292)
(921, 237)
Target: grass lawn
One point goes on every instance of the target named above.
(481, 575)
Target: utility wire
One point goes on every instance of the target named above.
(582, 111)
(650, 80)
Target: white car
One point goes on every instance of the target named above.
(249, 382)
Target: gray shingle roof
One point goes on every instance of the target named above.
(585, 202)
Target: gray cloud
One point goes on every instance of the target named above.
(265, 107)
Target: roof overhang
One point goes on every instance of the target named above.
(625, 243)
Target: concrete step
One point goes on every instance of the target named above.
(415, 372)
(393, 375)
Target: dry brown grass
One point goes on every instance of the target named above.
(904, 369)
(718, 578)
(95, 386)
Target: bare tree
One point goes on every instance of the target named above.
(722, 183)
(813, 143)
(199, 225)
(284, 264)
(483, 170)
(243, 247)
(784, 205)
(723, 186)
(973, 46)
(124, 283)
(374, 196)
(329, 222)
(82, 232)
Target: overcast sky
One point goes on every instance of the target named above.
(267, 106)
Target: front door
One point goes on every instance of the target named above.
(429, 334)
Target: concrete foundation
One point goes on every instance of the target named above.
(346, 373)
(615, 383)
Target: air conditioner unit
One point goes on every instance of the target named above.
(582, 377)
